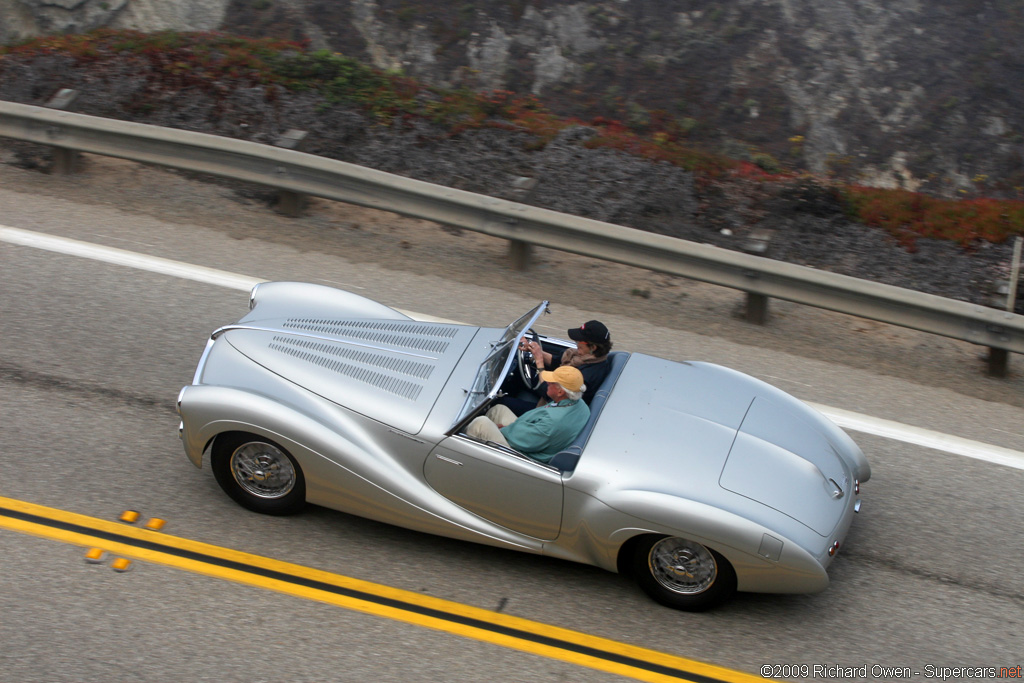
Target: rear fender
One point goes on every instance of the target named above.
(764, 560)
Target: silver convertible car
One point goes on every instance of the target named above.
(695, 479)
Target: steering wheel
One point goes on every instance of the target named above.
(527, 367)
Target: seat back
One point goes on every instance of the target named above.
(566, 459)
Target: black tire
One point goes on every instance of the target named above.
(258, 474)
(682, 574)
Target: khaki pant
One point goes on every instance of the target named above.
(486, 427)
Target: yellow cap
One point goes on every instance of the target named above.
(567, 376)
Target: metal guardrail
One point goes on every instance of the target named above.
(311, 175)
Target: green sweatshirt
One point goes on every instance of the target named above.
(543, 432)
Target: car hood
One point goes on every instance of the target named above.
(389, 370)
(716, 436)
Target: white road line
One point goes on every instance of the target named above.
(153, 264)
(844, 418)
(130, 259)
(922, 437)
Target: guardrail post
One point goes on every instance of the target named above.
(1005, 296)
(291, 203)
(998, 362)
(520, 253)
(757, 243)
(65, 161)
(757, 308)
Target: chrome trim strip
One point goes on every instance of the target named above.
(202, 359)
(252, 295)
(407, 436)
(441, 457)
(276, 330)
(509, 451)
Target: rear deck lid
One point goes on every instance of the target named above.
(786, 463)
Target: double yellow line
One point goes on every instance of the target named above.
(362, 596)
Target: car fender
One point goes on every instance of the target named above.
(764, 560)
(301, 299)
(345, 469)
(840, 440)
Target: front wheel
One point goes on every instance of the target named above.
(682, 574)
(258, 474)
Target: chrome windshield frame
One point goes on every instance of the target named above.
(507, 343)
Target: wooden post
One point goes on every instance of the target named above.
(289, 203)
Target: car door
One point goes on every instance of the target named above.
(499, 485)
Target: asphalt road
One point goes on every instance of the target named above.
(92, 356)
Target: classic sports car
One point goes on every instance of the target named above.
(695, 479)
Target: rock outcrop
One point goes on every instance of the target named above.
(20, 19)
(902, 93)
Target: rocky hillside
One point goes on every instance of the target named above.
(921, 95)
(228, 86)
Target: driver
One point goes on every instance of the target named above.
(542, 432)
(593, 344)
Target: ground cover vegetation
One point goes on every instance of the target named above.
(163, 65)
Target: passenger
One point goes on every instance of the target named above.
(542, 432)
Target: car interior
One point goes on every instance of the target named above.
(566, 460)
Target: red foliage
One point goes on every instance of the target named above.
(217, 62)
(907, 215)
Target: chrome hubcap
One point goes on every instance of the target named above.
(682, 566)
(263, 470)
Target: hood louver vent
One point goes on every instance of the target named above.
(402, 335)
(368, 370)
(388, 370)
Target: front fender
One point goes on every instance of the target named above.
(209, 410)
(301, 299)
(349, 464)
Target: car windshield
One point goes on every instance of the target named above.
(494, 368)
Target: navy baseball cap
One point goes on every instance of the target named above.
(590, 331)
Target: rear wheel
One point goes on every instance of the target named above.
(682, 574)
(258, 474)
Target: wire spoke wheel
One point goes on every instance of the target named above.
(682, 566)
(258, 474)
(680, 573)
(263, 470)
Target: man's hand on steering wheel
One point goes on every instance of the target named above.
(529, 356)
